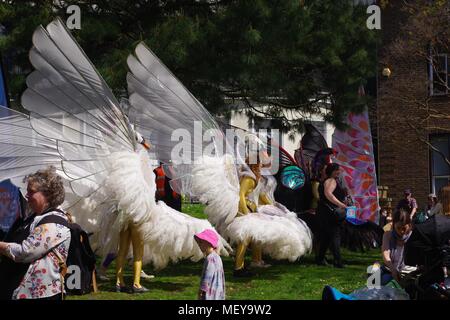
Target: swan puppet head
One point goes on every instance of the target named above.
(140, 139)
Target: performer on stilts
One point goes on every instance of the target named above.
(250, 198)
(131, 235)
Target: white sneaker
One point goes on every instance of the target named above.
(146, 276)
(259, 264)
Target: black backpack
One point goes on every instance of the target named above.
(80, 254)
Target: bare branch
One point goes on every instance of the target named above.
(427, 142)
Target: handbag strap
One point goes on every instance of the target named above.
(62, 269)
(61, 263)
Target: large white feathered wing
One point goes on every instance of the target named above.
(214, 183)
(160, 105)
(109, 176)
(22, 150)
(156, 100)
(167, 113)
(71, 104)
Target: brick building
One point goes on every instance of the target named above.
(404, 128)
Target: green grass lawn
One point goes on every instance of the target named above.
(300, 280)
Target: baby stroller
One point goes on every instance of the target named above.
(429, 249)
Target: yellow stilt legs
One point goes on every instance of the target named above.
(256, 253)
(130, 236)
(138, 253)
(124, 244)
(240, 255)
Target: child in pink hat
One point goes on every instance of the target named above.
(212, 283)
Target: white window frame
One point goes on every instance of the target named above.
(431, 75)
(432, 176)
(433, 182)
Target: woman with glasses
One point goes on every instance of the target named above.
(38, 247)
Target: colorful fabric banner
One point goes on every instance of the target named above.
(355, 156)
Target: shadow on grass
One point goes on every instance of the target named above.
(168, 286)
(259, 274)
(153, 284)
(183, 269)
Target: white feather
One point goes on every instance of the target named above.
(277, 238)
(216, 186)
(169, 237)
(279, 231)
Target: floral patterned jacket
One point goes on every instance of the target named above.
(42, 278)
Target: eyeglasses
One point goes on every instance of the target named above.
(31, 192)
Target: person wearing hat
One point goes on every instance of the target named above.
(408, 203)
(212, 283)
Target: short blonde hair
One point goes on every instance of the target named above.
(50, 184)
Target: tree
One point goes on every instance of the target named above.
(424, 38)
(291, 56)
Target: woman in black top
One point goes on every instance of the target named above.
(332, 196)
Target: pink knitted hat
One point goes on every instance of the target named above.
(209, 236)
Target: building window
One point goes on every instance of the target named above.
(440, 169)
(439, 74)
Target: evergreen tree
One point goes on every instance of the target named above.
(288, 55)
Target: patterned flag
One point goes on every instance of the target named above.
(355, 156)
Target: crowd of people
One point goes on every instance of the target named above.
(33, 248)
(408, 203)
(399, 228)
